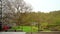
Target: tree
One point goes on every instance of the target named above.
(14, 10)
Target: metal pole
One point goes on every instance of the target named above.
(0, 15)
(38, 26)
(31, 28)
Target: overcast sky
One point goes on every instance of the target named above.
(44, 5)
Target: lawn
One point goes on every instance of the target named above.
(26, 28)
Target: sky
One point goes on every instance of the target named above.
(44, 5)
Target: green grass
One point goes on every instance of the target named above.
(28, 29)
(25, 28)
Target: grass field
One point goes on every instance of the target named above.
(26, 28)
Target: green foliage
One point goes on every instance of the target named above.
(46, 21)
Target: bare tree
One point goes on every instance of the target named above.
(14, 10)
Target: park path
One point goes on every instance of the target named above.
(29, 33)
(12, 32)
(43, 33)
